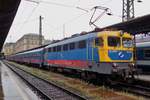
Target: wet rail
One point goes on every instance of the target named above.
(135, 88)
(47, 90)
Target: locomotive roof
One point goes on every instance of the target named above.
(73, 39)
(77, 37)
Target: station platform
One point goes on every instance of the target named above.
(13, 88)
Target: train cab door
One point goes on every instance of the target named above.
(93, 49)
(99, 44)
(89, 50)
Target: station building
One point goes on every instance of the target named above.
(28, 41)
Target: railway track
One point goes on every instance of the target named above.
(137, 89)
(47, 90)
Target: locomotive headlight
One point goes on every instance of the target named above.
(131, 65)
(114, 65)
(121, 33)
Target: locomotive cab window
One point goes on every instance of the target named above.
(127, 42)
(113, 41)
(99, 41)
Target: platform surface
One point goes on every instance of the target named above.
(13, 87)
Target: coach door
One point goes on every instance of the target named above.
(45, 51)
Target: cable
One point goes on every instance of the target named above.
(33, 10)
(24, 22)
(57, 4)
(71, 20)
(108, 1)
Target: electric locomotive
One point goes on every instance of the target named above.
(105, 52)
(108, 53)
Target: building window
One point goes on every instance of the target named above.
(82, 44)
(72, 46)
(65, 47)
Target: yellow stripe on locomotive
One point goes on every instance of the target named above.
(115, 46)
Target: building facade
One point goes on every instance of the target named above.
(8, 48)
(28, 41)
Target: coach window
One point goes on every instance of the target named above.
(82, 44)
(99, 41)
(147, 53)
(72, 46)
(65, 47)
(58, 48)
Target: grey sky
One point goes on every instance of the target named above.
(59, 12)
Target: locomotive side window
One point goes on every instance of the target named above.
(49, 49)
(72, 46)
(82, 44)
(113, 41)
(65, 47)
(99, 41)
(54, 49)
(58, 48)
(147, 53)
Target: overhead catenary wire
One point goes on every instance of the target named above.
(69, 21)
(29, 21)
(52, 3)
(57, 4)
(28, 17)
(108, 1)
(60, 4)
